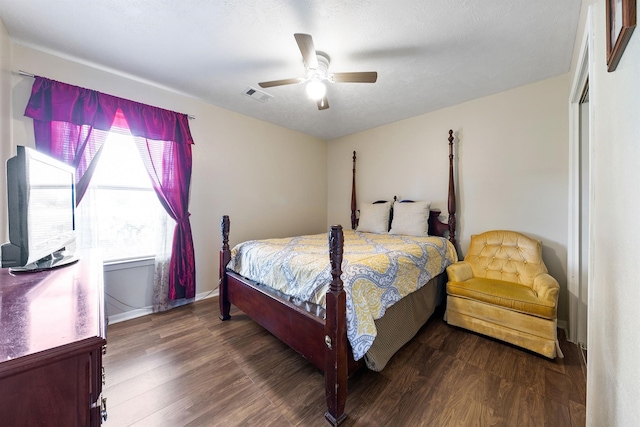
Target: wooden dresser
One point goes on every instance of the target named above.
(52, 336)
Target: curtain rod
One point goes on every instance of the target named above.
(24, 73)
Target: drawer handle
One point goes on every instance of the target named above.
(327, 341)
(103, 409)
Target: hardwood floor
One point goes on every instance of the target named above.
(187, 368)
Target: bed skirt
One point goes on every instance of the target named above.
(402, 321)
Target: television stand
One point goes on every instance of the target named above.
(52, 336)
(55, 260)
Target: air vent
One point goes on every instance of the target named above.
(258, 95)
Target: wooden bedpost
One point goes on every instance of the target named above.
(335, 360)
(225, 257)
(354, 220)
(452, 195)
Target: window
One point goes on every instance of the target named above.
(125, 211)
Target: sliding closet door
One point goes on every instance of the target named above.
(584, 183)
(580, 193)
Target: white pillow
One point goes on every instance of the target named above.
(374, 218)
(411, 219)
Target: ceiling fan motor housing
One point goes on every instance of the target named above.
(319, 73)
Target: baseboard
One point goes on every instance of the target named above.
(128, 315)
(139, 312)
(583, 359)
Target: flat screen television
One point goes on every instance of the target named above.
(41, 212)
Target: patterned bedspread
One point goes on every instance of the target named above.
(378, 270)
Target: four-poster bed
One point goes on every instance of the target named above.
(322, 339)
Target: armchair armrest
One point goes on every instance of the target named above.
(546, 287)
(460, 271)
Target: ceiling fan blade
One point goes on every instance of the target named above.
(280, 82)
(323, 103)
(308, 50)
(357, 77)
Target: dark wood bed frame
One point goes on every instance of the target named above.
(322, 341)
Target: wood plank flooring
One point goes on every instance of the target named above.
(187, 368)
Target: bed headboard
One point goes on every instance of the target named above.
(436, 227)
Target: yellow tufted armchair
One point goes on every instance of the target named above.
(502, 289)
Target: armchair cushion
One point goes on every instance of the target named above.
(513, 296)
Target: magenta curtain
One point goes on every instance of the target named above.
(71, 124)
(169, 166)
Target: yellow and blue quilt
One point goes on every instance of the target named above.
(377, 270)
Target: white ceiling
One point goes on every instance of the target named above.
(429, 54)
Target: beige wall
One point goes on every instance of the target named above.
(613, 371)
(512, 156)
(270, 180)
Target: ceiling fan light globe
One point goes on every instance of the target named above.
(316, 90)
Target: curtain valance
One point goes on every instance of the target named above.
(55, 101)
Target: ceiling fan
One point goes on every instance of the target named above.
(316, 65)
